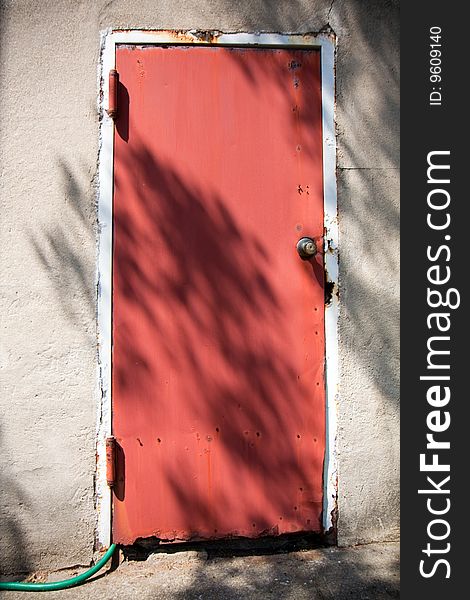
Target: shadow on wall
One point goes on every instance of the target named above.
(61, 248)
(14, 503)
(368, 163)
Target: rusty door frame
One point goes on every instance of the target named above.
(109, 40)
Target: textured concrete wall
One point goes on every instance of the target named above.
(368, 193)
(49, 54)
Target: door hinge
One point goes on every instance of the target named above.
(113, 93)
(111, 461)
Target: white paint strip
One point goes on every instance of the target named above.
(330, 473)
(105, 221)
(104, 287)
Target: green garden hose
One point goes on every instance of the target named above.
(59, 585)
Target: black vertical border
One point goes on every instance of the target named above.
(426, 128)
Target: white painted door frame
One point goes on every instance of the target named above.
(109, 40)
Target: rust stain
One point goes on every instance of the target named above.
(294, 65)
(209, 473)
(113, 90)
(141, 68)
(110, 461)
(209, 37)
(205, 36)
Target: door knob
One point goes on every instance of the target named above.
(306, 248)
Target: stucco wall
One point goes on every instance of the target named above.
(49, 54)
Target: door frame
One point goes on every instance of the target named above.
(326, 44)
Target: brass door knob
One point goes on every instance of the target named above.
(306, 248)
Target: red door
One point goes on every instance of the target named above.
(218, 324)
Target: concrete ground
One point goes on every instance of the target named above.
(368, 572)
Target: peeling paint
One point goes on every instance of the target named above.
(329, 291)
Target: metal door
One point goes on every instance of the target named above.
(218, 393)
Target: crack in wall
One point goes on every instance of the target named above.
(329, 11)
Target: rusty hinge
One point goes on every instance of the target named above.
(113, 92)
(111, 461)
